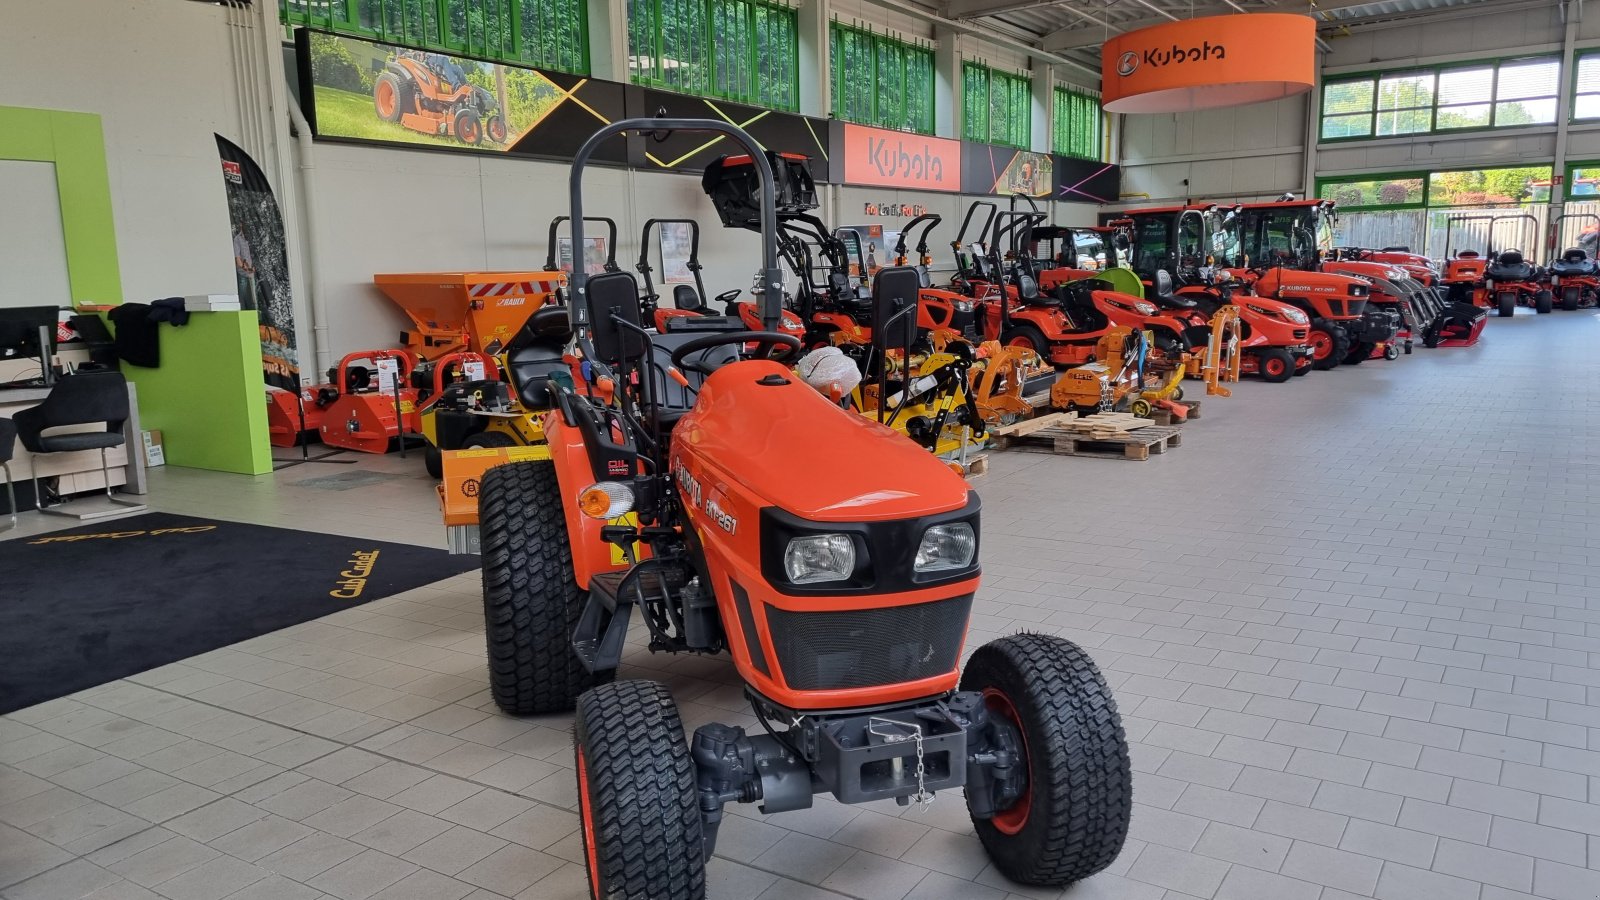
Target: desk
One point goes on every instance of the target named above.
(79, 471)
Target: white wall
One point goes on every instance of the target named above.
(33, 251)
(1241, 152)
(158, 73)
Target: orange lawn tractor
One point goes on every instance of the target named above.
(689, 300)
(685, 488)
(938, 309)
(429, 92)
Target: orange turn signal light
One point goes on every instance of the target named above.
(606, 500)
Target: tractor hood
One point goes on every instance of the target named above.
(1295, 283)
(758, 426)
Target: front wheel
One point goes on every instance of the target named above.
(1276, 364)
(497, 129)
(1072, 817)
(637, 799)
(1542, 302)
(531, 601)
(1507, 302)
(1330, 344)
(1391, 351)
(1570, 297)
(433, 461)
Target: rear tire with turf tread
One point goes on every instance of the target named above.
(1337, 337)
(488, 439)
(1542, 302)
(637, 798)
(531, 601)
(1080, 785)
(1569, 299)
(433, 461)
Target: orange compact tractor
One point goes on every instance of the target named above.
(429, 92)
(684, 488)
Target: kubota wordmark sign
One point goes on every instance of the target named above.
(876, 156)
(1209, 62)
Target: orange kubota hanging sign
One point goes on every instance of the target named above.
(1209, 62)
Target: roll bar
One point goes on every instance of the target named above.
(577, 251)
(933, 220)
(694, 254)
(771, 274)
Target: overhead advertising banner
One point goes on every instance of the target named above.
(1208, 62)
(878, 157)
(1004, 171)
(686, 152)
(365, 91)
(1087, 181)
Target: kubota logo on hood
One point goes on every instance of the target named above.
(1130, 61)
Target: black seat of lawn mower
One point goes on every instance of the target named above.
(1510, 266)
(534, 354)
(1575, 262)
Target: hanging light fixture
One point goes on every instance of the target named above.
(1209, 62)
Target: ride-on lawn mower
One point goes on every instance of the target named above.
(1574, 275)
(428, 92)
(842, 593)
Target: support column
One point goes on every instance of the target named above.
(1043, 106)
(947, 100)
(1564, 106)
(608, 40)
(816, 94)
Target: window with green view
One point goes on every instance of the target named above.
(1441, 99)
(1079, 125)
(545, 34)
(996, 107)
(741, 50)
(1447, 187)
(880, 81)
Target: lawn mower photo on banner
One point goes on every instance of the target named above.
(429, 92)
(1574, 274)
(685, 484)
(1180, 255)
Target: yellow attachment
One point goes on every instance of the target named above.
(1222, 355)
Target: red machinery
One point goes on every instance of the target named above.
(293, 418)
(384, 402)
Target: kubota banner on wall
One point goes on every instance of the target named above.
(878, 157)
(1209, 62)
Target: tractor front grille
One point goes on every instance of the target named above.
(862, 648)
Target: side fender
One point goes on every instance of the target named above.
(591, 556)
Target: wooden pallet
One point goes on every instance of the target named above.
(1136, 445)
(977, 465)
(1106, 425)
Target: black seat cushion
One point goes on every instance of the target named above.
(8, 439)
(1575, 255)
(535, 352)
(668, 400)
(1509, 258)
(79, 440)
(684, 296)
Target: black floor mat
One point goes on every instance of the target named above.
(96, 603)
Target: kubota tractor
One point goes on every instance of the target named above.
(428, 92)
(1180, 253)
(684, 485)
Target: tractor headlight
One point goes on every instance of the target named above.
(1297, 317)
(962, 306)
(946, 547)
(820, 557)
(1144, 309)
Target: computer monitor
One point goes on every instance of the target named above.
(29, 331)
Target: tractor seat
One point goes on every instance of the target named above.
(673, 400)
(1467, 254)
(1575, 262)
(1173, 301)
(685, 297)
(1028, 292)
(534, 354)
(702, 324)
(1510, 266)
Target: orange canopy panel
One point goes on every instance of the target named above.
(477, 311)
(1209, 62)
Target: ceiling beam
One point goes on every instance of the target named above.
(988, 33)
(966, 9)
(1089, 35)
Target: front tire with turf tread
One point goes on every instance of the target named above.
(531, 601)
(638, 801)
(1080, 782)
(1542, 302)
(1507, 302)
(1338, 338)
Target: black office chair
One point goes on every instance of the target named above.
(83, 399)
(8, 446)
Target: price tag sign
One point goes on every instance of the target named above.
(473, 369)
(388, 375)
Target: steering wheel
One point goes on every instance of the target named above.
(765, 341)
(727, 297)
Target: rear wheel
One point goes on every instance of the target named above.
(531, 601)
(433, 461)
(1072, 818)
(1028, 337)
(391, 97)
(1507, 302)
(1359, 353)
(1276, 364)
(1570, 297)
(1542, 302)
(637, 800)
(1329, 344)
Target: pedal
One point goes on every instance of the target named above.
(603, 625)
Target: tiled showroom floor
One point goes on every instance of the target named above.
(1353, 625)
